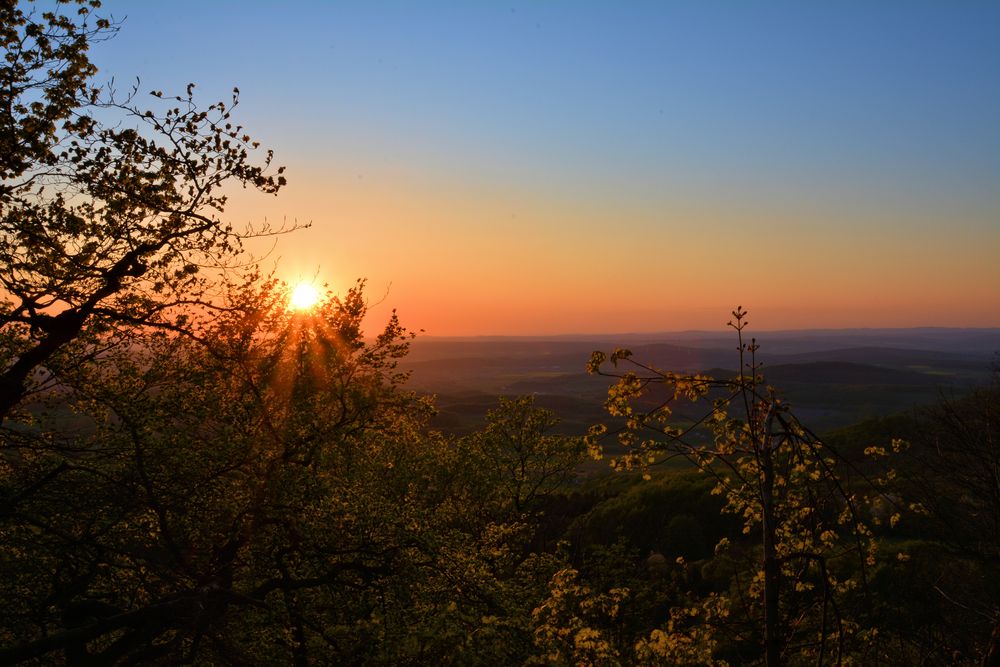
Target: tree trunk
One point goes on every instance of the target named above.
(772, 571)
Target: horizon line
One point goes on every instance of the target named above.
(722, 332)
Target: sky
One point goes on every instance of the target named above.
(548, 167)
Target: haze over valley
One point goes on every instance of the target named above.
(833, 377)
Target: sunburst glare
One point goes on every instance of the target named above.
(304, 297)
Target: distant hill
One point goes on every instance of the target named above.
(833, 377)
(840, 372)
(978, 341)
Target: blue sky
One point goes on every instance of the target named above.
(806, 121)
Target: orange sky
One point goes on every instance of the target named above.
(538, 264)
(521, 168)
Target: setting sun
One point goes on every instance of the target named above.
(304, 297)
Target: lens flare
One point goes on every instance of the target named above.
(304, 297)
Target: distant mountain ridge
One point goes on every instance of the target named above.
(834, 378)
(788, 341)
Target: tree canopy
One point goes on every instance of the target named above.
(110, 212)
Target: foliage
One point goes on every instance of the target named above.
(109, 212)
(520, 457)
(265, 494)
(45, 79)
(795, 591)
(949, 468)
(687, 637)
(190, 471)
(565, 631)
(211, 481)
(674, 515)
(268, 493)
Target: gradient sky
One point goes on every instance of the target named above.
(571, 167)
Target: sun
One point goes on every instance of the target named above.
(304, 297)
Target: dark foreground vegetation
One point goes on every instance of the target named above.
(192, 473)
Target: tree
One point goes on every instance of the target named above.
(189, 470)
(794, 582)
(45, 80)
(953, 471)
(522, 458)
(266, 494)
(110, 214)
(216, 497)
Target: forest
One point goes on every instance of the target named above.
(194, 472)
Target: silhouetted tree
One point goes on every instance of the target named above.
(110, 213)
(267, 494)
(954, 472)
(217, 490)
